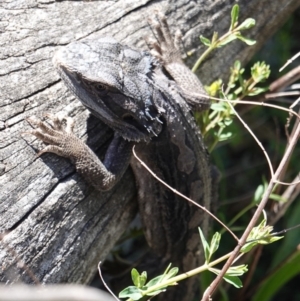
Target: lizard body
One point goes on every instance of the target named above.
(129, 90)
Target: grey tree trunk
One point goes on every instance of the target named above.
(55, 223)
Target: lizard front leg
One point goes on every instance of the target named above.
(62, 141)
(166, 50)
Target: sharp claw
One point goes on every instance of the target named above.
(39, 154)
(49, 115)
(26, 133)
(157, 118)
(32, 120)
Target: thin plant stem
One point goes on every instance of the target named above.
(291, 145)
(182, 195)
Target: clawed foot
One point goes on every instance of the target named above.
(166, 48)
(59, 134)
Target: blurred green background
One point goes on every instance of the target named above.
(276, 275)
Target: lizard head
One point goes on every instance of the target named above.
(115, 83)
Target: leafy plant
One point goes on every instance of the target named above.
(233, 33)
(216, 123)
(259, 235)
(152, 288)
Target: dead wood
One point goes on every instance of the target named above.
(56, 223)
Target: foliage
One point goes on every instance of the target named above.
(259, 235)
(233, 33)
(152, 288)
(219, 124)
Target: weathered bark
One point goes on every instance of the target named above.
(59, 225)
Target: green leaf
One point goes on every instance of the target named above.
(227, 40)
(234, 16)
(259, 193)
(234, 280)
(248, 246)
(163, 277)
(205, 245)
(248, 23)
(237, 270)
(218, 106)
(269, 239)
(215, 241)
(173, 272)
(160, 279)
(167, 269)
(231, 85)
(248, 41)
(237, 65)
(227, 121)
(155, 281)
(205, 41)
(135, 277)
(143, 279)
(131, 292)
(232, 96)
(138, 291)
(260, 235)
(231, 275)
(225, 136)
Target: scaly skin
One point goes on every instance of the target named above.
(127, 90)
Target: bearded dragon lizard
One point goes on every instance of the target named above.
(147, 100)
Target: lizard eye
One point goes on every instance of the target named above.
(100, 87)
